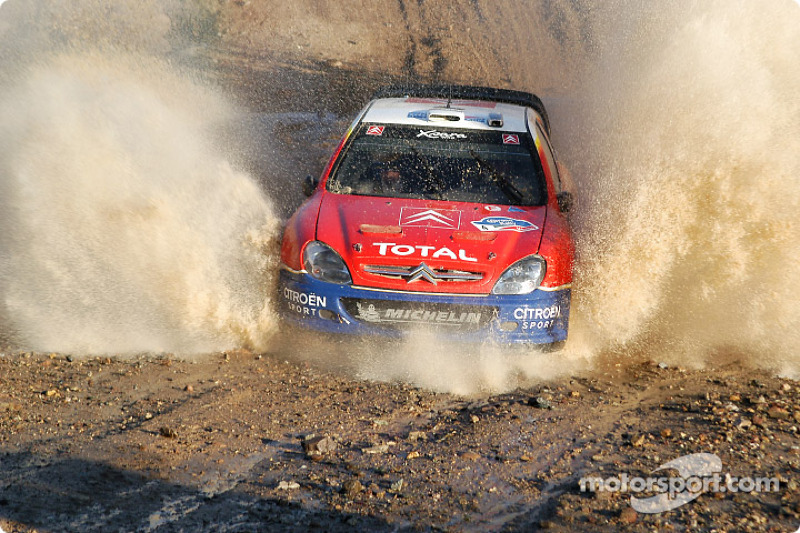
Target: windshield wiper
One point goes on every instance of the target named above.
(507, 188)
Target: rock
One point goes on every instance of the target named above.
(663, 366)
(412, 455)
(602, 495)
(318, 445)
(414, 436)
(376, 491)
(471, 456)
(778, 413)
(168, 433)
(541, 402)
(628, 516)
(757, 400)
(638, 440)
(666, 433)
(288, 485)
(352, 487)
(397, 486)
(378, 448)
(742, 424)
(188, 388)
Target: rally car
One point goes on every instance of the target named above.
(441, 208)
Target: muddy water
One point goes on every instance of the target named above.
(688, 228)
(126, 227)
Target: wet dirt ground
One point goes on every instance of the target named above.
(238, 441)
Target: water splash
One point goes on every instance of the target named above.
(689, 240)
(123, 226)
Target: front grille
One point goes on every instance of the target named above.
(400, 315)
(422, 272)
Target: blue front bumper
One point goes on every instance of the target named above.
(538, 318)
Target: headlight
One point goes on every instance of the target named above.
(523, 277)
(324, 264)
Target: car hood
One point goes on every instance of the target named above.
(384, 240)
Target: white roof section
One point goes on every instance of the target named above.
(472, 114)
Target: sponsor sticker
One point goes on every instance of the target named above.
(537, 317)
(513, 209)
(368, 313)
(375, 130)
(403, 250)
(509, 138)
(492, 208)
(433, 218)
(537, 313)
(498, 223)
(444, 135)
(304, 303)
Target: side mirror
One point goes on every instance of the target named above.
(309, 185)
(565, 201)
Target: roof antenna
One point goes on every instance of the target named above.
(450, 96)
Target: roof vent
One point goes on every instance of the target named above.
(445, 115)
(495, 120)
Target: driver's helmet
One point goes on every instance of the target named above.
(391, 176)
(392, 179)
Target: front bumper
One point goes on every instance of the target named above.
(541, 317)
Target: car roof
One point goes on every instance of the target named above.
(444, 113)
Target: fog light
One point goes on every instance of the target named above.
(327, 315)
(508, 326)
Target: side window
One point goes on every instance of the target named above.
(534, 125)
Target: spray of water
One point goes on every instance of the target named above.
(689, 238)
(122, 226)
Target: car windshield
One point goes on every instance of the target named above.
(441, 164)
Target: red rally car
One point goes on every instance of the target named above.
(442, 207)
